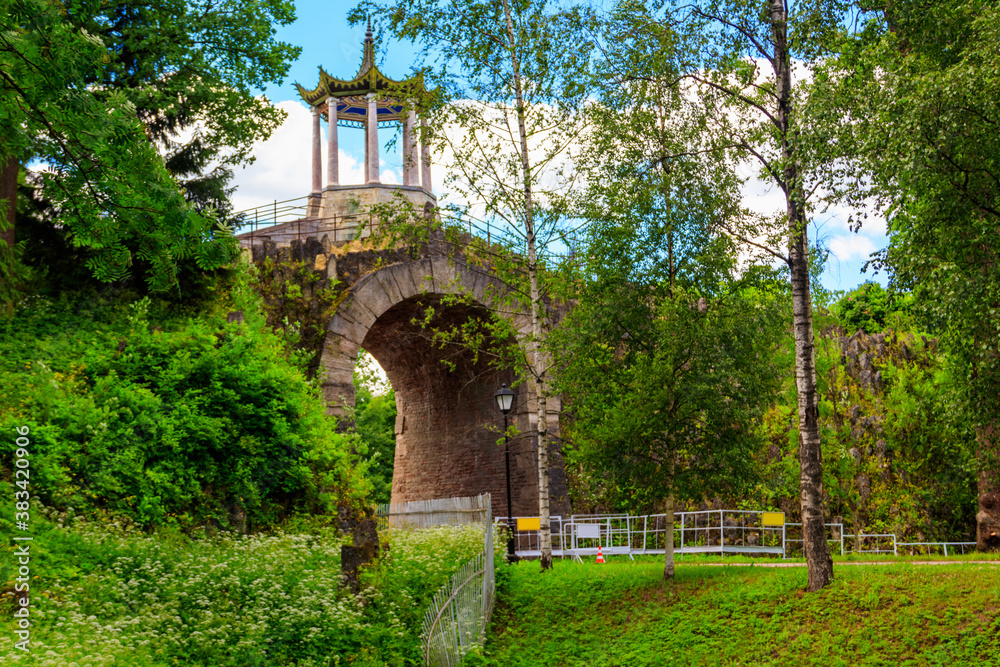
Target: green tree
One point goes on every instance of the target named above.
(667, 388)
(915, 95)
(194, 69)
(508, 105)
(873, 308)
(731, 66)
(375, 423)
(92, 89)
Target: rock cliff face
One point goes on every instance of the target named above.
(895, 458)
(863, 359)
(988, 516)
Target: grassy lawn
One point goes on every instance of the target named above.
(622, 614)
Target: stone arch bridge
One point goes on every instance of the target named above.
(447, 422)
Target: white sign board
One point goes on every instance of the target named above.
(588, 530)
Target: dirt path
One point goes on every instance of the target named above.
(836, 564)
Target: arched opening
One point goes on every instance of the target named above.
(375, 423)
(447, 422)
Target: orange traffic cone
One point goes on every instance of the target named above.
(600, 556)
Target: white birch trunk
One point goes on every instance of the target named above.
(817, 552)
(668, 563)
(536, 355)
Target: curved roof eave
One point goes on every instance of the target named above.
(368, 80)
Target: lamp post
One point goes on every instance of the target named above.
(505, 400)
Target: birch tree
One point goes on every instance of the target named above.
(733, 62)
(507, 98)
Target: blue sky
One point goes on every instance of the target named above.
(282, 167)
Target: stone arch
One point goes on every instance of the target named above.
(447, 424)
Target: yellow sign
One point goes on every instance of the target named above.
(773, 519)
(529, 524)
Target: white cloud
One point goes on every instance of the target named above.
(854, 246)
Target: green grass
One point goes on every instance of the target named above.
(622, 614)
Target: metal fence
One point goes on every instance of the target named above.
(728, 531)
(872, 543)
(441, 512)
(927, 548)
(795, 544)
(285, 222)
(460, 611)
(713, 531)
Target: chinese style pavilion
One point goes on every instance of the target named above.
(370, 100)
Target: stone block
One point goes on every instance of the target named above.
(357, 311)
(339, 398)
(479, 282)
(401, 276)
(423, 276)
(333, 363)
(445, 278)
(348, 329)
(371, 295)
(389, 286)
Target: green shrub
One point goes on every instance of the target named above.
(872, 308)
(112, 596)
(168, 418)
(375, 419)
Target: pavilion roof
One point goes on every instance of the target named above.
(352, 105)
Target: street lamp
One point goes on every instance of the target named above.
(505, 400)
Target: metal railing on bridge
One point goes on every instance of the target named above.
(282, 222)
(285, 221)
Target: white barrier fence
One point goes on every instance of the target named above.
(713, 531)
(460, 611)
(928, 548)
(794, 543)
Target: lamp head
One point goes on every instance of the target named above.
(505, 399)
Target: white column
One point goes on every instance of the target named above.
(372, 152)
(332, 165)
(366, 150)
(426, 158)
(317, 184)
(410, 166)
